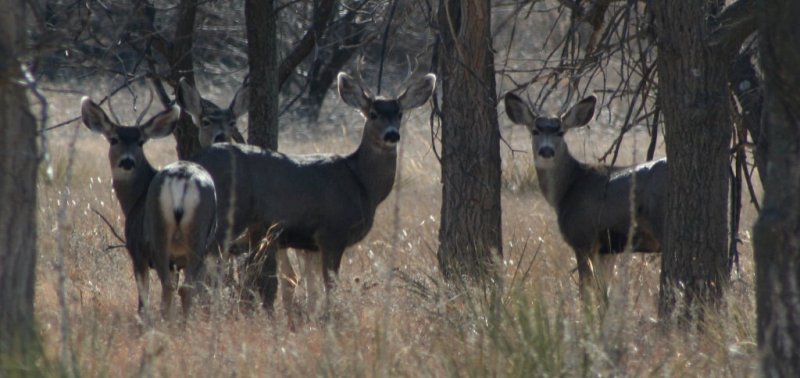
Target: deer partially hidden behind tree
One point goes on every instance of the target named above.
(602, 210)
(320, 204)
(170, 215)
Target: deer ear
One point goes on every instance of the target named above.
(352, 93)
(189, 100)
(518, 111)
(580, 114)
(241, 102)
(418, 92)
(95, 118)
(162, 123)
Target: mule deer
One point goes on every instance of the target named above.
(318, 203)
(170, 215)
(216, 124)
(597, 205)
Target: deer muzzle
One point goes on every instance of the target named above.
(391, 136)
(547, 152)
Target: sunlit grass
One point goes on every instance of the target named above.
(392, 315)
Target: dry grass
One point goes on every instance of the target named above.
(406, 324)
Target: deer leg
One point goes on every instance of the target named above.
(331, 259)
(141, 274)
(288, 283)
(585, 270)
(603, 269)
(312, 265)
(195, 272)
(168, 278)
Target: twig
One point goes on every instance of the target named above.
(113, 230)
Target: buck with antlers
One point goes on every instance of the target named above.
(598, 206)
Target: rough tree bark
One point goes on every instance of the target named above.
(182, 63)
(262, 55)
(19, 159)
(470, 234)
(777, 232)
(692, 92)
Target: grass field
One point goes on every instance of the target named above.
(409, 323)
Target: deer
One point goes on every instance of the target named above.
(319, 204)
(170, 214)
(601, 210)
(216, 124)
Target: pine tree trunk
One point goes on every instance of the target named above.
(692, 92)
(19, 159)
(777, 232)
(262, 54)
(470, 234)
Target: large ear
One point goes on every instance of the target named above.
(241, 102)
(518, 111)
(189, 100)
(95, 118)
(418, 92)
(580, 114)
(162, 123)
(351, 92)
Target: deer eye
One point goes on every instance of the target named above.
(206, 122)
(113, 141)
(373, 114)
(534, 132)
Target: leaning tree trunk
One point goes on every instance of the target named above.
(19, 159)
(470, 234)
(692, 92)
(262, 54)
(777, 232)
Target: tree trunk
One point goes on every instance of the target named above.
(470, 235)
(262, 54)
(19, 160)
(692, 91)
(776, 236)
(186, 133)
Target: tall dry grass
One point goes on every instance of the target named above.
(392, 315)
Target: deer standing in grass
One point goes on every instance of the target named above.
(597, 205)
(170, 215)
(320, 204)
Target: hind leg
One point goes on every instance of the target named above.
(312, 267)
(288, 284)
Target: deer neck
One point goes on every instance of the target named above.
(132, 190)
(375, 167)
(556, 179)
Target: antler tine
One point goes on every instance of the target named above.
(360, 79)
(141, 115)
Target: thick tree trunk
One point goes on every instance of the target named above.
(262, 54)
(19, 159)
(470, 235)
(186, 133)
(777, 232)
(692, 91)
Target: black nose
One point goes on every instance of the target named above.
(219, 138)
(391, 136)
(127, 164)
(546, 152)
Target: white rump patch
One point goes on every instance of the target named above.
(178, 195)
